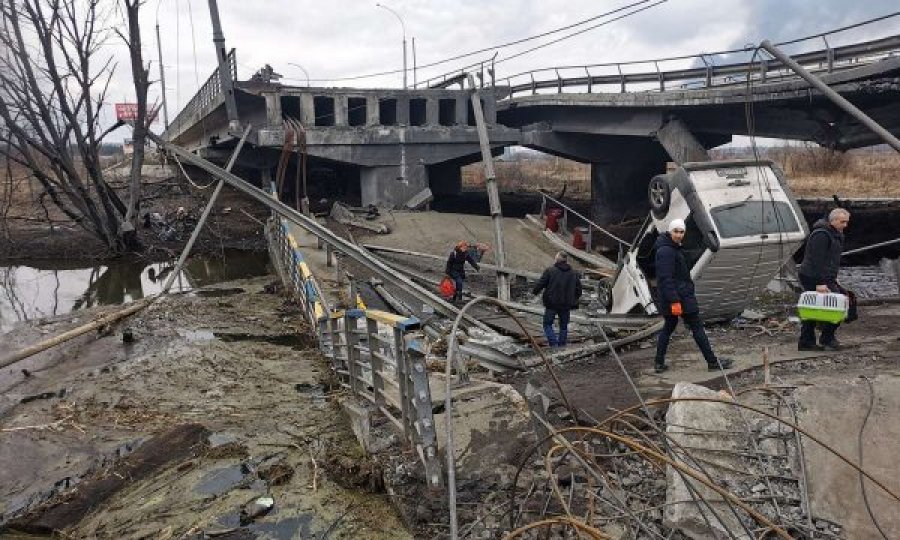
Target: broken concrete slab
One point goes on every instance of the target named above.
(703, 427)
(359, 414)
(420, 199)
(491, 427)
(834, 409)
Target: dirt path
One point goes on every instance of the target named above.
(597, 384)
(234, 360)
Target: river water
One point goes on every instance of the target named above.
(38, 289)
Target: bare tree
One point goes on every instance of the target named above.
(140, 76)
(53, 84)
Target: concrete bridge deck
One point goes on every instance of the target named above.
(385, 146)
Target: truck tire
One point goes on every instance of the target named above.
(659, 194)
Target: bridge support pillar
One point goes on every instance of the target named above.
(619, 188)
(387, 186)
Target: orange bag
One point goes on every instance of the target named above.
(447, 288)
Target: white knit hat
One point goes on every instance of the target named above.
(677, 224)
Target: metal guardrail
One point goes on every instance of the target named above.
(826, 60)
(376, 355)
(199, 105)
(709, 75)
(564, 220)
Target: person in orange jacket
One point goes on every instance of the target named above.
(675, 298)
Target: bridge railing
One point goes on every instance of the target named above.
(209, 93)
(377, 356)
(709, 75)
(652, 74)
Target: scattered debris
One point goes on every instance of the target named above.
(255, 508)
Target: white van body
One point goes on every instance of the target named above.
(743, 224)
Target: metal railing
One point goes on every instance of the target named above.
(207, 97)
(827, 60)
(706, 75)
(376, 355)
(564, 220)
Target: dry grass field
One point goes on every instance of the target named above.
(811, 171)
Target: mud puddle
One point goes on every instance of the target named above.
(48, 288)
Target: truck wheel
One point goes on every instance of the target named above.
(660, 195)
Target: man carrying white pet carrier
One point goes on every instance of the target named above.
(819, 271)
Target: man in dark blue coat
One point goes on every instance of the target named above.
(562, 289)
(819, 271)
(676, 298)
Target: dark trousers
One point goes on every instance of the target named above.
(458, 281)
(693, 321)
(808, 328)
(550, 316)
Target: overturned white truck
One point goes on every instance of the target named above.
(743, 224)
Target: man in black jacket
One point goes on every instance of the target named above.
(676, 298)
(562, 289)
(456, 267)
(818, 272)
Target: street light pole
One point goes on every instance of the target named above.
(162, 72)
(303, 69)
(403, 26)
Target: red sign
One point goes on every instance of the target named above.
(126, 111)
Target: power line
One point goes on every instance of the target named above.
(495, 47)
(194, 44)
(552, 42)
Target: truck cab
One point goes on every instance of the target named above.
(742, 223)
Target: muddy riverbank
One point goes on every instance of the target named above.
(233, 370)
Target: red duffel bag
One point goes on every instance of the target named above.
(447, 288)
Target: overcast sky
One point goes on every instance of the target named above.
(342, 38)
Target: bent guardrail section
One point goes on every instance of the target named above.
(378, 356)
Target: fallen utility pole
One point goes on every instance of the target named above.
(225, 81)
(140, 304)
(490, 184)
(350, 249)
(836, 98)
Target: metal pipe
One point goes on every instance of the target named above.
(836, 98)
(869, 248)
(490, 184)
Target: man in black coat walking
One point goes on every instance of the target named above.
(456, 267)
(818, 272)
(676, 298)
(562, 289)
